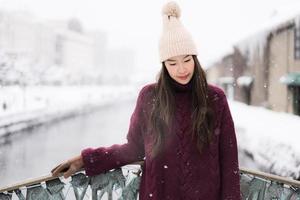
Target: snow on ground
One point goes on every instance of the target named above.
(38, 104)
(271, 137)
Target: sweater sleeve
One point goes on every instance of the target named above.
(102, 159)
(230, 178)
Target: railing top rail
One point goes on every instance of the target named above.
(40, 179)
(28, 182)
(271, 177)
(49, 177)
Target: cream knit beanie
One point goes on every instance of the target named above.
(175, 40)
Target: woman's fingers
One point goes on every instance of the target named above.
(70, 172)
(55, 168)
(60, 168)
(69, 167)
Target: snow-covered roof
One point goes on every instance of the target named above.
(291, 79)
(244, 80)
(257, 40)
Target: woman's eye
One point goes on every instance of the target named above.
(187, 60)
(172, 64)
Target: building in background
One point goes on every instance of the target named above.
(264, 69)
(57, 52)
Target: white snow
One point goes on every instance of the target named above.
(271, 137)
(244, 80)
(43, 103)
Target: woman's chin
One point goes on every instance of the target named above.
(183, 82)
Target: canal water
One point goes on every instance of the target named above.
(34, 153)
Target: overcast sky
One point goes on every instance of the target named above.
(214, 24)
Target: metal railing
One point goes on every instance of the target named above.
(123, 184)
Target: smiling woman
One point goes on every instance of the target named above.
(180, 125)
(181, 68)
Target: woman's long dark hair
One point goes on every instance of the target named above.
(164, 108)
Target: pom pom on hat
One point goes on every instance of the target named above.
(171, 9)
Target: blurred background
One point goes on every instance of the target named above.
(70, 72)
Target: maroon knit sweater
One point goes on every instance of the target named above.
(180, 171)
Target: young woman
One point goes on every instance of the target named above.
(181, 127)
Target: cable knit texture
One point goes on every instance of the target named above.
(180, 171)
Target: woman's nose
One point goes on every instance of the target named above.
(181, 68)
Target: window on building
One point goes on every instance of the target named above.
(297, 41)
(292, 80)
(59, 49)
(296, 99)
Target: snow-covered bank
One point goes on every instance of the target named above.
(37, 105)
(272, 138)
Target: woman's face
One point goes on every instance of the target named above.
(181, 68)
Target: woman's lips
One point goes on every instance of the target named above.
(183, 77)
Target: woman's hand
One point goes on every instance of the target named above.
(69, 167)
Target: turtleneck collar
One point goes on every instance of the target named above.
(178, 87)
